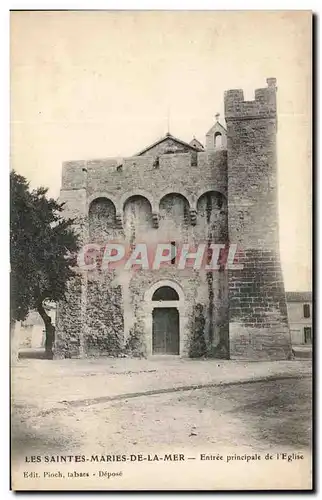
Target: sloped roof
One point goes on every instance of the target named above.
(298, 296)
(217, 127)
(196, 144)
(165, 138)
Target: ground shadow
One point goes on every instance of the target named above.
(32, 354)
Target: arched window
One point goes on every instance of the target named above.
(218, 140)
(165, 293)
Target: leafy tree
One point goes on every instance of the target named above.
(43, 248)
(20, 242)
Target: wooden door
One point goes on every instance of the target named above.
(165, 331)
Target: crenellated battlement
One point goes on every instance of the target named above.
(263, 106)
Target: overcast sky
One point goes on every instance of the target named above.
(97, 84)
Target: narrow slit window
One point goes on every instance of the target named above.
(306, 310)
(308, 335)
(173, 252)
(209, 254)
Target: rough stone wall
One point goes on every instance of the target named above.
(69, 321)
(206, 288)
(102, 221)
(258, 326)
(104, 332)
(175, 221)
(140, 176)
(194, 286)
(75, 207)
(154, 204)
(137, 219)
(258, 308)
(212, 213)
(212, 227)
(136, 200)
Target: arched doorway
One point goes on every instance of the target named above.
(165, 322)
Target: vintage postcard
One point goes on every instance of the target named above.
(161, 301)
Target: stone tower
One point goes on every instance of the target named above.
(258, 323)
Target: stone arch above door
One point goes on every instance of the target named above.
(163, 283)
(165, 293)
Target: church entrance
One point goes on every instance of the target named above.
(164, 319)
(165, 330)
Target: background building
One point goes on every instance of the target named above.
(31, 332)
(299, 307)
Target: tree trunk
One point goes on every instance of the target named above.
(14, 343)
(50, 331)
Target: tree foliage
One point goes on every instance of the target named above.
(43, 246)
(20, 242)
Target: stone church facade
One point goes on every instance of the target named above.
(178, 193)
